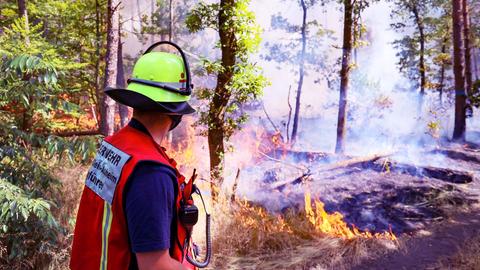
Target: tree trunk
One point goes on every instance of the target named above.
(139, 14)
(108, 105)
(475, 10)
(216, 113)
(441, 83)
(344, 75)
(296, 115)
(120, 82)
(98, 45)
(170, 21)
(421, 62)
(475, 62)
(468, 54)
(152, 11)
(460, 95)
(22, 12)
(27, 113)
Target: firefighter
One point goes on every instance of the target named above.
(128, 213)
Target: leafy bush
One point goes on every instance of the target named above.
(32, 77)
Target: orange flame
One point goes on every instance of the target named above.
(334, 225)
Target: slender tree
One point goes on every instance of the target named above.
(302, 53)
(170, 20)
(301, 72)
(344, 74)
(443, 64)
(458, 69)
(108, 104)
(422, 40)
(120, 82)
(413, 48)
(22, 12)
(467, 44)
(475, 32)
(438, 54)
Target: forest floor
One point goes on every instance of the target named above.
(430, 200)
(448, 245)
(436, 219)
(452, 244)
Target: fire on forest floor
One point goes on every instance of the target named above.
(247, 236)
(362, 208)
(361, 204)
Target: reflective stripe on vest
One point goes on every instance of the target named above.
(106, 224)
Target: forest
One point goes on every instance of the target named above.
(328, 134)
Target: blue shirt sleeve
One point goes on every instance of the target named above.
(150, 206)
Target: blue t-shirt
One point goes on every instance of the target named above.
(150, 204)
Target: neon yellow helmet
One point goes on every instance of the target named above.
(160, 82)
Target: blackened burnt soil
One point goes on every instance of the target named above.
(433, 217)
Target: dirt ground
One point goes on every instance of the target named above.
(440, 247)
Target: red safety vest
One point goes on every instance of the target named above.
(101, 237)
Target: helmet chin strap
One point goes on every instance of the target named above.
(189, 84)
(176, 119)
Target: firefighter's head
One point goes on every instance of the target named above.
(160, 84)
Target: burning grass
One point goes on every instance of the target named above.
(247, 236)
(334, 225)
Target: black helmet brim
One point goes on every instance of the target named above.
(138, 101)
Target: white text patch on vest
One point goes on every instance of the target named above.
(105, 171)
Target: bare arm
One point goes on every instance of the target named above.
(157, 260)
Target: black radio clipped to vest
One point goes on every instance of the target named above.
(188, 215)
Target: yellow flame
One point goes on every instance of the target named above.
(334, 225)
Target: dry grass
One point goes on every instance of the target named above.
(246, 236)
(467, 258)
(68, 198)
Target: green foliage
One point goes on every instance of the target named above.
(203, 16)
(26, 157)
(39, 74)
(288, 51)
(475, 98)
(433, 16)
(64, 33)
(18, 207)
(245, 81)
(158, 22)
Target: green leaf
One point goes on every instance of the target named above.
(22, 63)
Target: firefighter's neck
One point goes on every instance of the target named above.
(157, 124)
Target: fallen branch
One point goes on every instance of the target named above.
(352, 162)
(300, 155)
(75, 133)
(341, 164)
(445, 174)
(281, 185)
(302, 168)
(235, 186)
(457, 155)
